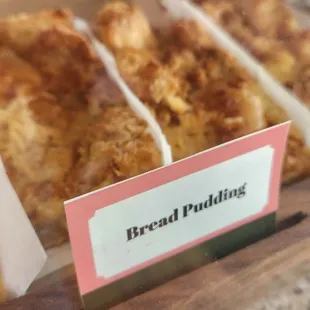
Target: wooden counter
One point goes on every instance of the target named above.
(271, 274)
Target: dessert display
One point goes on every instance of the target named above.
(65, 128)
(199, 94)
(269, 30)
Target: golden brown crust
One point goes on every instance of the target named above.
(269, 18)
(297, 157)
(269, 30)
(37, 144)
(48, 41)
(18, 80)
(299, 44)
(64, 58)
(63, 154)
(66, 152)
(117, 26)
(178, 80)
(44, 205)
(102, 92)
(20, 30)
(296, 162)
(190, 34)
(112, 151)
(272, 18)
(163, 92)
(18, 77)
(216, 99)
(65, 128)
(301, 85)
(186, 133)
(235, 109)
(146, 76)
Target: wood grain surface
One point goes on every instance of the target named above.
(271, 274)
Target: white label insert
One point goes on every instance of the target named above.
(145, 226)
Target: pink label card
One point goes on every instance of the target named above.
(121, 229)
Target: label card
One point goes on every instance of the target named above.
(127, 227)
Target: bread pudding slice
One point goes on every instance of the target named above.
(199, 94)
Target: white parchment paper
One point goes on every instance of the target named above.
(21, 254)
